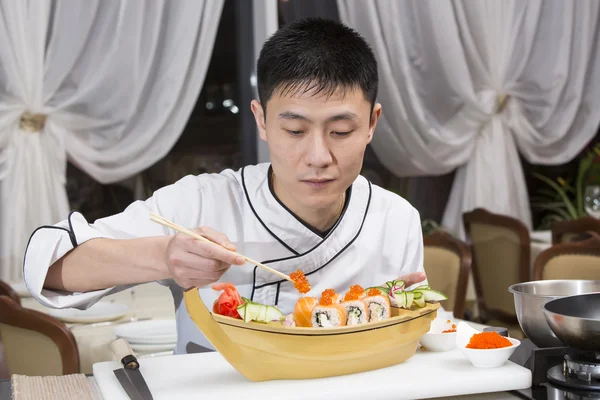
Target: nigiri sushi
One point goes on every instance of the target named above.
(302, 310)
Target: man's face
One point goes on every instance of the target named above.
(317, 142)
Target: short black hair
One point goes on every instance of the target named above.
(316, 55)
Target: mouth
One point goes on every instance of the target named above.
(318, 183)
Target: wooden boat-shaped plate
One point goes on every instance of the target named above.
(264, 352)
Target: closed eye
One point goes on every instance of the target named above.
(294, 132)
(342, 133)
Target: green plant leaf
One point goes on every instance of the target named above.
(565, 198)
(549, 193)
(557, 210)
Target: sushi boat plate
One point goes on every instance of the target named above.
(262, 352)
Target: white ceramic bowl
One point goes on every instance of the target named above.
(490, 358)
(482, 358)
(438, 341)
(435, 340)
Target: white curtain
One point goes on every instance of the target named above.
(471, 84)
(115, 82)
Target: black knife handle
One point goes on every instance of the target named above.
(124, 353)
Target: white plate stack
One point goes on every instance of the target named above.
(157, 335)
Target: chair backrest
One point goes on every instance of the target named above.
(36, 344)
(577, 260)
(448, 265)
(501, 257)
(574, 230)
(6, 290)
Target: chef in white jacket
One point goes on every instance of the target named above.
(308, 209)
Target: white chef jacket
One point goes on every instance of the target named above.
(377, 238)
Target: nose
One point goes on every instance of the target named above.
(318, 153)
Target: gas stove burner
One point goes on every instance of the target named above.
(584, 355)
(576, 375)
(586, 369)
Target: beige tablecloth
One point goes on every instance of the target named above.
(151, 300)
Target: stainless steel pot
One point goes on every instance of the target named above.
(576, 320)
(530, 298)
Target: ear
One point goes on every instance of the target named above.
(259, 116)
(373, 123)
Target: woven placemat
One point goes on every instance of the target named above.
(65, 387)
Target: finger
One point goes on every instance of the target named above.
(184, 259)
(216, 237)
(194, 274)
(214, 252)
(189, 283)
(413, 278)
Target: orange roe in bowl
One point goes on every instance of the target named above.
(373, 292)
(300, 282)
(488, 340)
(452, 328)
(354, 293)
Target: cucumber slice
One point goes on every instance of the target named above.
(241, 309)
(259, 312)
(400, 300)
(409, 299)
(420, 302)
(433, 295)
(273, 314)
(253, 311)
(393, 285)
(422, 287)
(418, 295)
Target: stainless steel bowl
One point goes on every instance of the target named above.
(530, 298)
(576, 320)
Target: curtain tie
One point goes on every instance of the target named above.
(30, 122)
(501, 102)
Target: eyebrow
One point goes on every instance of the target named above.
(346, 116)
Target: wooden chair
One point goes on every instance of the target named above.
(574, 230)
(577, 260)
(501, 257)
(36, 344)
(6, 290)
(448, 265)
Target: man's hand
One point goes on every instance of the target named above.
(193, 263)
(411, 279)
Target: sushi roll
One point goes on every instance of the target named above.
(328, 316)
(378, 305)
(337, 298)
(356, 309)
(356, 312)
(302, 311)
(328, 313)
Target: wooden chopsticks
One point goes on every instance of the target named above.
(162, 221)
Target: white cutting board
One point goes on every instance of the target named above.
(209, 376)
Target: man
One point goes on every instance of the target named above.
(309, 209)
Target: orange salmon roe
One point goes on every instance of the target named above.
(452, 329)
(488, 340)
(300, 282)
(373, 292)
(354, 293)
(327, 297)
